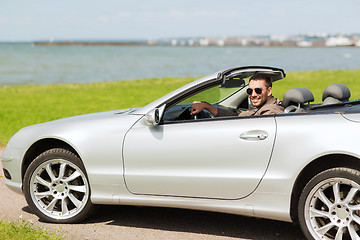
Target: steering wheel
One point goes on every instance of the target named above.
(185, 114)
(203, 114)
(195, 116)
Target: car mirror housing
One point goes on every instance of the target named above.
(153, 117)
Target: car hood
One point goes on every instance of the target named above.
(91, 116)
(72, 126)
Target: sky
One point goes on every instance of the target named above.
(38, 20)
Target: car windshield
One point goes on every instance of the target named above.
(217, 94)
(213, 95)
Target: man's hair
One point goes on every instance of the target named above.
(262, 76)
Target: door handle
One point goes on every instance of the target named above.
(254, 135)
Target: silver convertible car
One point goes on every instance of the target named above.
(301, 166)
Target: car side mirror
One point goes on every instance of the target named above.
(153, 117)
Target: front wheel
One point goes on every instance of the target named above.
(56, 187)
(329, 206)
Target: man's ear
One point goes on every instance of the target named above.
(269, 91)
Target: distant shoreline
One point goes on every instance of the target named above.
(91, 43)
(300, 40)
(144, 43)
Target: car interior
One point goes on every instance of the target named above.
(335, 96)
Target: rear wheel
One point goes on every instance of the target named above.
(56, 187)
(329, 206)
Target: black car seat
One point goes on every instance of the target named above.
(336, 93)
(294, 100)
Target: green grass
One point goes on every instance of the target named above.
(21, 106)
(25, 231)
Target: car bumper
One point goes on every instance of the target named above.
(11, 159)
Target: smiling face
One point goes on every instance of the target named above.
(258, 99)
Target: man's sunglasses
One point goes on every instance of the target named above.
(250, 90)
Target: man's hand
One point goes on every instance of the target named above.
(197, 107)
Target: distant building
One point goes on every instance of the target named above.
(304, 44)
(338, 41)
(204, 42)
(221, 42)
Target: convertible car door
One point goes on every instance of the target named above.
(220, 158)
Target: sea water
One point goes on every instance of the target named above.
(26, 63)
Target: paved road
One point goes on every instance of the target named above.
(127, 222)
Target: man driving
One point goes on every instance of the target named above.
(260, 95)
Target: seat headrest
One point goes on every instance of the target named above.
(299, 95)
(338, 91)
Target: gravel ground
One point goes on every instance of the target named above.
(128, 222)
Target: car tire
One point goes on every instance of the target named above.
(56, 187)
(329, 205)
